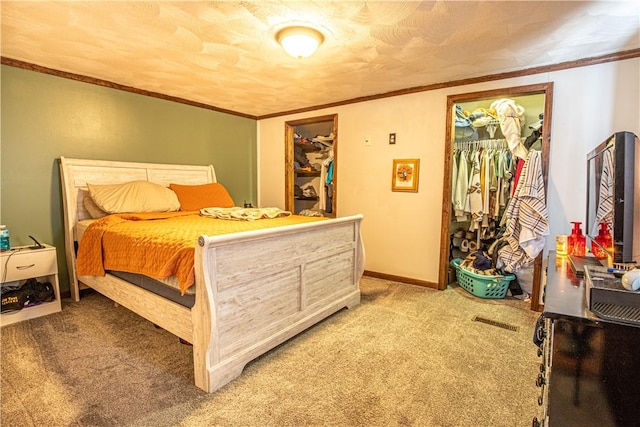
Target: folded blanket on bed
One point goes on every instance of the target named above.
(157, 245)
(245, 214)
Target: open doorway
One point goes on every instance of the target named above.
(538, 99)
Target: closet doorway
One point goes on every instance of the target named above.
(540, 95)
(311, 166)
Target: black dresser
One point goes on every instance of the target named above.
(590, 367)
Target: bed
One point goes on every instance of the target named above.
(253, 289)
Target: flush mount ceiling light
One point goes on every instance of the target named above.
(299, 41)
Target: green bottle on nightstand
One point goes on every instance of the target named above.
(5, 245)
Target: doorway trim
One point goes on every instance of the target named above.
(535, 89)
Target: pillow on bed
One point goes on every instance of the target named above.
(94, 211)
(134, 196)
(196, 197)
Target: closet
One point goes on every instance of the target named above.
(488, 146)
(311, 166)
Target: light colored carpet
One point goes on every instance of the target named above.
(406, 356)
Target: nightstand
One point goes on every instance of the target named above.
(22, 263)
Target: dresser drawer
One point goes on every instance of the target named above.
(29, 263)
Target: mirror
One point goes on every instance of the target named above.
(540, 94)
(613, 197)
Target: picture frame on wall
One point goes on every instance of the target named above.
(405, 175)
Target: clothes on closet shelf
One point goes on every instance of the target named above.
(534, 140)
(463, 128)
(511, 118)
(468, 123)
(526, 217)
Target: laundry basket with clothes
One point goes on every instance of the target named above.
(478, 275)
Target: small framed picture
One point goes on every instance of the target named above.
(405, 175)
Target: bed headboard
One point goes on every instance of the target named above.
(76, 173)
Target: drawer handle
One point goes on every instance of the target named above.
(25, 267)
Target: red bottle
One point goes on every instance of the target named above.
(577, 241)
(603, 242)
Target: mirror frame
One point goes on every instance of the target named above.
(535, 89)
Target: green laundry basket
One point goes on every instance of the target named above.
(494, 287)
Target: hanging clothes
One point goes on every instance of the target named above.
(454, 174)
(527, 223)
(487, 168)
(494, 186)
(461, 188)
(517, 175)
(475, 191)
(482, 173)
(326, 184)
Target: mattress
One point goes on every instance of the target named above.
(158, 287)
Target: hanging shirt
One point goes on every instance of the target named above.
(486, 185)
(326, 177)
(517, 175)
(461, 190)
(475, 192)
(454, 176)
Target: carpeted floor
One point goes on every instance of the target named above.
(406, 356)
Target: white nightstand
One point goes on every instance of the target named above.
(22, 263)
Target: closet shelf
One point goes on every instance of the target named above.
(314, 199)
(307, 147)
(307, 173)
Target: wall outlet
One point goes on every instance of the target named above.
(392, 138)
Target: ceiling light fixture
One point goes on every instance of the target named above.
(299, 41)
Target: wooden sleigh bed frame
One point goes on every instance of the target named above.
(253, 290)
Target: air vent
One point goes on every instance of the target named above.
(619, 313)
(496, 323)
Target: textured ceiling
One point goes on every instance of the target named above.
(223, 53)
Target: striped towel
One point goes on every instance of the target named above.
(527, 217)
(605, 196)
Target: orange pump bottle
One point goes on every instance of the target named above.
(577, 241)
(604, 240)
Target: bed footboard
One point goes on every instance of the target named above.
(257, 289)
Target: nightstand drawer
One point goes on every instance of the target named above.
(29, 263)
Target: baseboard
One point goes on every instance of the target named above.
(401, 279)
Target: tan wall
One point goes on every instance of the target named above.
(402, 230)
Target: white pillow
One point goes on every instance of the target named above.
(134, 196)
(94, 211)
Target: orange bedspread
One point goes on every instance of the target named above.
(157, 245)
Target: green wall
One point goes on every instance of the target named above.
(45, 117)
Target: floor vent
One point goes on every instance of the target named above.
(495, 323)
